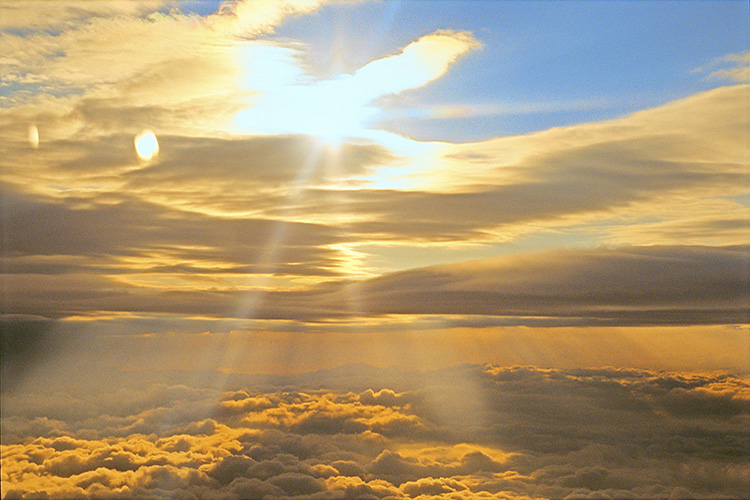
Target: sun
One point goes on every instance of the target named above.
(331, 111)
(336, 112)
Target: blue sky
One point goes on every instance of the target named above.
(596, 60)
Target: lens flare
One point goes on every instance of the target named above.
(146, 145)
(33, 136)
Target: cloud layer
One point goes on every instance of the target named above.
(459, 433)
(264, 209)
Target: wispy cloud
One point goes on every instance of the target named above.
(731, 67)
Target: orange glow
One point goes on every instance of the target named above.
(33, 136)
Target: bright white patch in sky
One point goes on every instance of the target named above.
(33, 136)
(330, 110)
(146, 145)
(287, 101)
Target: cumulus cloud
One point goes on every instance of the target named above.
(622, 433)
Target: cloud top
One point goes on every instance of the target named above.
(610, 427)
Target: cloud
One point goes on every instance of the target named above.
(266, 239)
(623, 433)
(639, 285)
(255, 161)
(553, 188)
(63, 77)
(235, 250)
(250, 18)
(116, 228)
(731, 67)
(431, 487)
(36, 15)
(290, 102)
(70, 71)
(635, 167)
(420, 62)
(295, 484)
(621, 285)
(740, 74)
(216, 221)
(146, 25)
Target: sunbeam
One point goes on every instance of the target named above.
(311, 249)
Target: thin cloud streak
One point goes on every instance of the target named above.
(625, 286)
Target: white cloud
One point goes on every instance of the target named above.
(731, 67)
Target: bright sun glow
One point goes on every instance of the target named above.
(33, 136)
(330, 110)
(285, 100)
(336, 110)
(146, 145)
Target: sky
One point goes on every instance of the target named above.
(375, 249)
